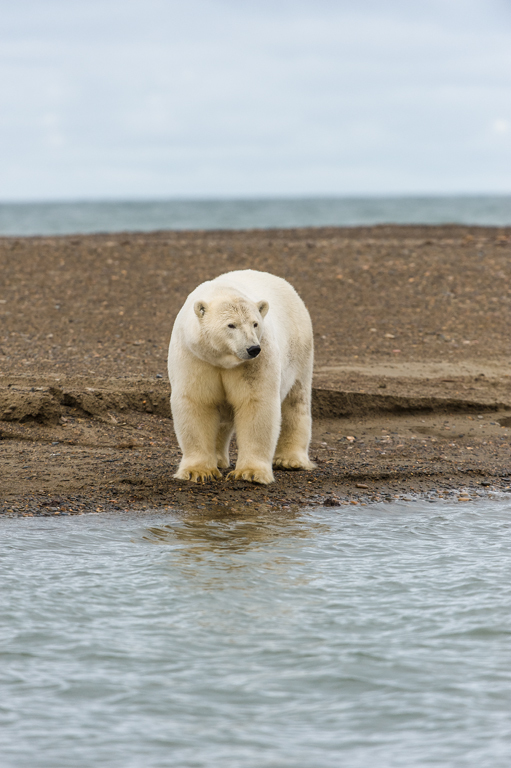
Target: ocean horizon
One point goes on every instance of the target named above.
(94, 216)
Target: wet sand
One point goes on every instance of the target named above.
(412, 385)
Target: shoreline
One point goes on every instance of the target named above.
(412, 382)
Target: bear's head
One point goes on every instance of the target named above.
(230, 329)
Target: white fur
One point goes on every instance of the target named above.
(218, 388)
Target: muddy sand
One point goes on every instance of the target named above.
(412, 384)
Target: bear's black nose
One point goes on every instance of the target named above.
(253, 351)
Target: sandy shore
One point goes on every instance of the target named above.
(412, 387)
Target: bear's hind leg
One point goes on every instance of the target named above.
(295, 432)
(223, 438)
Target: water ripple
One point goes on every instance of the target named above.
(231, 638)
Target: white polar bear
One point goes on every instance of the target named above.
(240, 358)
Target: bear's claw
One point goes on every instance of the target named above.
(262, 476)
(196, 474)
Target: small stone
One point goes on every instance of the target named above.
(361, 485)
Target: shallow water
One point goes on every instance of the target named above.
(147, 215)
(376, 635)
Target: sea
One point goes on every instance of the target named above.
(242, 637)
(64, 218)
(375, 635)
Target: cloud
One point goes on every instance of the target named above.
(217, 97)
(501, 126)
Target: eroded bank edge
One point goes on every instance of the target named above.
(44, 404)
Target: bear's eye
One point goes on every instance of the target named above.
(255, 325)
(231, 325)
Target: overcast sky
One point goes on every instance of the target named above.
(226, 98)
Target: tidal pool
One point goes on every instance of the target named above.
(360, 636)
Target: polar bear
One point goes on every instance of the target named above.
(240, 359)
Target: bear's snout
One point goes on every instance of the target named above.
(254, 351)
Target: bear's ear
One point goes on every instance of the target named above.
(263, 307)
(200, 308)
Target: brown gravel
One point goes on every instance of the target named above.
(412, 332)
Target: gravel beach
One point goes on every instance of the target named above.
(412, 385)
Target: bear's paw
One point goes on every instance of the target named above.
(293, 461)
(197, 473)
(261, 474)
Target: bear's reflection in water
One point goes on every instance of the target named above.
(234, 537)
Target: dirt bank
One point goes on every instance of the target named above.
(412, 388)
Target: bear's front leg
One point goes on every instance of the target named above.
(196, 427)
(257, 424)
